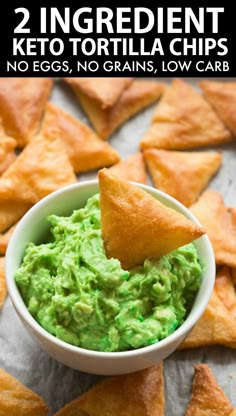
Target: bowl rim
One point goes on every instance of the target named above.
(25, 315)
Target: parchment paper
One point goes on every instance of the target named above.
(57, 384)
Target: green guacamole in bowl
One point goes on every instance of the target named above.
(80, 296)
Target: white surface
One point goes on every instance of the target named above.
(57, 384)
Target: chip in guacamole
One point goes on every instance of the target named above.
(80, 296)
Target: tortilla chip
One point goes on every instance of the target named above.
(7, 155)
(106, 91)
(18, 400)
(182, 175)
(135, 226)
(85, 149)
(71, 409)
(233, 413)
(41, 168)
(184, 120)
(7, 147)
(217, 220)
(11, 212)
(131, 169)
(218, 323)
(208, 398)
(4, 239)
(22, 102)
(138, 96)
(222, 97)
(232, 212)
(136, 394)
(233, 271)
(3, 290)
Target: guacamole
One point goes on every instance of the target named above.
(85, 299)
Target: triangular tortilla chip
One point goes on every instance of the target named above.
(22, 102)
(10, 213)
(3, 291)
(71, 409)
(136, 394)
(18, 400)
(184, 120)
(135, 226)
(7, 155)
(182, 175)
(7, 147)
(222, 97)
(233, 271)
(208, 398)
(41, 168)
(4, 239)
(131, 169)
(85, 149)
(218, 323)
(232, 212)
(217, 220)
(233, 413)
(139, 95)
(105, 91)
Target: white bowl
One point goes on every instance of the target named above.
(34, 226)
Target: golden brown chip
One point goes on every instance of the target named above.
(11, 212)
(3, 291)
(18, 400)
(41, 168)
(7, 147)
(7, 155)
(184, 120)
(131, 169)
(233, 271)
(138, 96)
(71, 409)
(4, 239)
(208, 398)
(218, 323)
(22, 102)
(182, 175)
(136, 394)
(135, 226)
(232, 212)
(217, 220)
(105, 91)
(85, 149)
(222, 97)
(233, 413)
